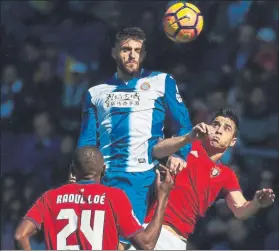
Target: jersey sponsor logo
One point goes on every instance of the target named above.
(215, 171)
(195, 153)
(141, 160)
(122, 99)
(145, 86)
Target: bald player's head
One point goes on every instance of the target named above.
(88, 162)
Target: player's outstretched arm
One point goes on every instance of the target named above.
(244, 209)
(148, 238)
(177, 114)
(88, 132)
(24, 231)
(169, 146)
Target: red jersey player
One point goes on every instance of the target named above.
(204, 178)
(89, 216)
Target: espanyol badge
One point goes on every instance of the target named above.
(145, 86)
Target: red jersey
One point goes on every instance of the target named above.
(84, 216)
(196, 188)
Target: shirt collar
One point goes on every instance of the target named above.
(87, 182)
(142, 71)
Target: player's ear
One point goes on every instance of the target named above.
(142, 54)
(113, 52)
(103, 171)
(233, 142)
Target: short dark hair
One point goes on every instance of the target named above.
(88, 160)
(134, 33)
(227, 112)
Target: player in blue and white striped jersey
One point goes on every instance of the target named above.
(125, 117)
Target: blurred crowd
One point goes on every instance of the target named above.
(52, 51)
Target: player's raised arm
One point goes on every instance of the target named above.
(169, 146)
(88, 133)
(129, 225)
(177, 114)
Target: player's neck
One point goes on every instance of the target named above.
(215, 156)
(213, 153)
(94, 179)
(126, 77)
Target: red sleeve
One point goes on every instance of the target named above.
(127, 221)
(36, 212)
(231, 183)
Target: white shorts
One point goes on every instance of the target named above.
(167, 241)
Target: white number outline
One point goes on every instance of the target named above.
(93, 235)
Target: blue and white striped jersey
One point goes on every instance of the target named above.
(125, 120)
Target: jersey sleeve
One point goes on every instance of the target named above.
(36, 212)
(127, 221)
(231, 183)
(88, 132)
(177, 114)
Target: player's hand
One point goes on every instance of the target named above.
(164, 183)
(264, 198)
(175, 164)
(201, 130)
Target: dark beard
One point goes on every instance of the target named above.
(122, 68)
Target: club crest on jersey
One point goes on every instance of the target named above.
(215, 171)
(145, 86)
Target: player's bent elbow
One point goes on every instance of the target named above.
(148, 246)
(145, 245)
(18, 238)
(143, 242)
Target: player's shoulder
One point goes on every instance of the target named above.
(159, 80)
(163, 76)
(59, 189)
(197, 149)
(226, 169)
(102, 86)
(46, 197)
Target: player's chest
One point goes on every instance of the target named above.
(207, 176)
(139, 95)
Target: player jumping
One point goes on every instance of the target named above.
(89, 216)
(125, 117)
(198, 185)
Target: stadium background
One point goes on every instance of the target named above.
(53, 50)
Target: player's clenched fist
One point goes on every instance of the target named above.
(164, 183)
(264, 197)
(201, 130)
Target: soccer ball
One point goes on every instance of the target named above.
(182, 22)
